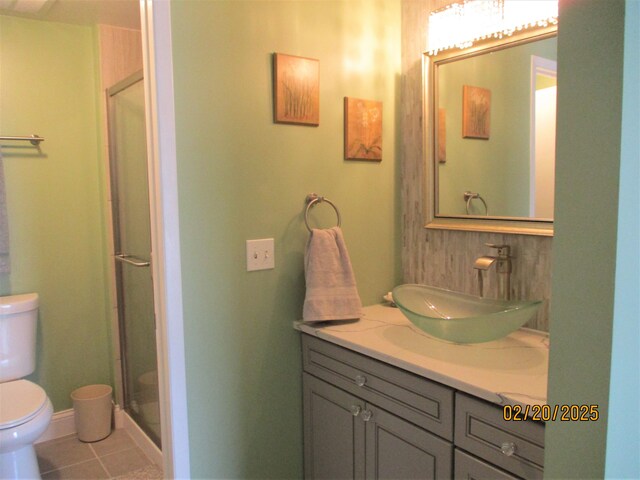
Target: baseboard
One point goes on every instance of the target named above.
(142, 440)
(63, 424)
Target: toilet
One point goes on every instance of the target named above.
(25, 409)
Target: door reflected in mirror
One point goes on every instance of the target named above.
(494, 149)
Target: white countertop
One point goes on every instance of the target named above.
(509, 371)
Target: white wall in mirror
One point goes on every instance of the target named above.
(543, 147)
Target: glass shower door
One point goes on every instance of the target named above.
(132, 242)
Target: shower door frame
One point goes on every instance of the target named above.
(155, 17)
(124, 395)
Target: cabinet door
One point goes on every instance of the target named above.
(397, 449)
(333, 432)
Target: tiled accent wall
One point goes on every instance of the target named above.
(444, 258)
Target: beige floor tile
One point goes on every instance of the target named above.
(89, 470)
(124, 462)
(63, 452)
(116, 442)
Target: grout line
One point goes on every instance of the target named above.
(70, 465)
(91, 449)
(66, 437)
(97, 457)
(134, 446)
(104, 467)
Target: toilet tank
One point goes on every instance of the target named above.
(18, 318)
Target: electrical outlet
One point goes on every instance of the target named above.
(260, 254)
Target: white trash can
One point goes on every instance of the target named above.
(92, 407)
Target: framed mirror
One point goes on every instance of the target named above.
(492, 135)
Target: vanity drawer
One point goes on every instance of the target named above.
(416, 399)
(481, 430)
(468, 467)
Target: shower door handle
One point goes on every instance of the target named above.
(131, 260)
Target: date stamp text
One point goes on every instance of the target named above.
(551, 413)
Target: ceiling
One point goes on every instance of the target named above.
(121, 13)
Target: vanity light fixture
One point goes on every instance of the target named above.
(23, 6)
(461, 24)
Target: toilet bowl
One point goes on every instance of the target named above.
(25, 413)
(25, 409)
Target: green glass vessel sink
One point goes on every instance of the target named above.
(461, 318)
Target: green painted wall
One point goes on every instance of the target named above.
(240, 177)
(590, 58)
(48, 86)
(485, 165)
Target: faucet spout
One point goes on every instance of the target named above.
(503, 268)
(484, 263)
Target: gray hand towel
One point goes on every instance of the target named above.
(331, 286)
(5, 266)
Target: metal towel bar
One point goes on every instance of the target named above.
(131, 260)
(313, 199)
(33, 139)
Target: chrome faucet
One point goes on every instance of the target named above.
(503, 269)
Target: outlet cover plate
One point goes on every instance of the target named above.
(260, 254)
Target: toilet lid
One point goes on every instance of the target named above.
(19, 401)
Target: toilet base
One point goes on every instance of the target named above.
(19, 464)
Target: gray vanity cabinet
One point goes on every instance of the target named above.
(424, 403)
(347, 438)
(366, 419)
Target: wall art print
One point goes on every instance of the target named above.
(442, 135)
(296, 90)
(362, 129)
(476, 109)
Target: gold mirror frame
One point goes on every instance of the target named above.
(472, 223)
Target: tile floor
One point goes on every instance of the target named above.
(117, 456)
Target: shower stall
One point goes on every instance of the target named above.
(132, 253)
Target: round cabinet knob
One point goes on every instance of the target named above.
(361, 380)
(366, 415)
(508, 448)
(355, 410)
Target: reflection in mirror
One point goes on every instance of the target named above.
(495, 132)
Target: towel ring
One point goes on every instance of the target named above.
(311, 200)
(468, 196)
